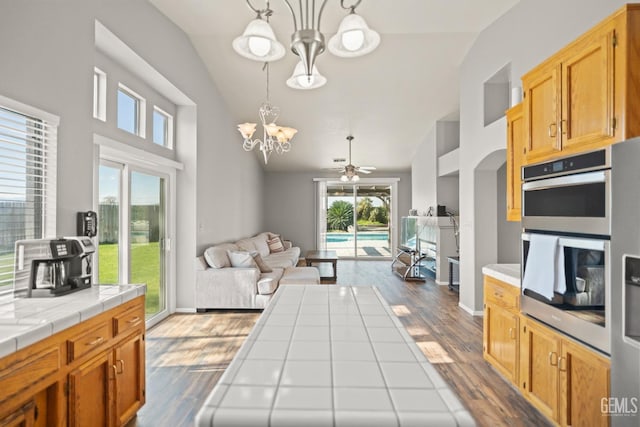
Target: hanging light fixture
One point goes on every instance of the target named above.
(354, 38)
(274, 138)
(299, 80)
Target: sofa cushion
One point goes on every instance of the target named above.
(260, 242)
(242, 259)
(263, 266)
(216, 256)
(280, 260)
(275, 245)
(246, 245)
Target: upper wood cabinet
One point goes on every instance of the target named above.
(515, 154)
(587, 95)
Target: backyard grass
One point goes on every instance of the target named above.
(145, 268)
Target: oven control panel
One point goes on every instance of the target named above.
(580, 163)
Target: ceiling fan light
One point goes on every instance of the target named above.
(300, 80)
(258, 42)
(344, 178)
(354, 38)
(355, 178)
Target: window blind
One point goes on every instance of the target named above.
(28, 160)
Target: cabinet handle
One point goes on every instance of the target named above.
(552, 134)
(563, 128)
(552, 356)
(512, 335)
(561, 367)
(134, 320)
(97, 341)
(115, 371)
(121, 362)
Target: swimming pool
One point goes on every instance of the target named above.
(362, 236)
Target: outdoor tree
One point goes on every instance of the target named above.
(339, 215)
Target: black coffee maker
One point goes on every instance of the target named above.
(53, 267)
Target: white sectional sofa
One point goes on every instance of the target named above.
(219, 285)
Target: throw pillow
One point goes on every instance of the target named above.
(264, 268)
(217, 257)
(275, 245)
(241, 259)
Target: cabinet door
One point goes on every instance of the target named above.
(584, 382)
(501, 344)
(130, 377)
(91, 393)
(515, 153)
(539, 369)
(541, 113)
(25, 416)
(587, 94)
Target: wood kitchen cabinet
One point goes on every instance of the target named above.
(515, 154)
(586, 95)
(91, 374)
(563, 379)
(501, 343)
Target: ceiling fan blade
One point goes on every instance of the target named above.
(368, 167)
(338, 169)
(363, 171)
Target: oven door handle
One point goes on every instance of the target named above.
(567, 181)
(574, 242)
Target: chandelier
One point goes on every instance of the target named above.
(274, 138)
(258, 42)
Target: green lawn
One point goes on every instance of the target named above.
(145, 268)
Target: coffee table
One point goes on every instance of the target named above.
(323, 257)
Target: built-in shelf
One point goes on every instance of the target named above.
(496, 95)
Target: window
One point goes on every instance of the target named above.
(99, 94)
(28, 145)
(131, 111)
(162, 128)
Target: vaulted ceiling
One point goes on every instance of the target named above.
(388, 99)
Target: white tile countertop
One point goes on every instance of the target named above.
(24, 321)
(507, 273)
(331, 356)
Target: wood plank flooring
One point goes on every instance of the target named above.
(186, 354)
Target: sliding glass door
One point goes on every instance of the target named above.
(131, 231)
(358, 220)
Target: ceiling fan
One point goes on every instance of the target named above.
(349, 171)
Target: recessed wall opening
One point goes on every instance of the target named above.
(496, 95)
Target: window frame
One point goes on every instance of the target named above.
(140, 114)
(99, 94)
(168, 128)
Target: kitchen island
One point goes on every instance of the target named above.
(73, 360)
(331, 356)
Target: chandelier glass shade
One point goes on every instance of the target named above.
(354, 38)
(300, 80)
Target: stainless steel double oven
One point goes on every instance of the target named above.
(571, 198)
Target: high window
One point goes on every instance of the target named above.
(99, 94)
(131, 111)
(162, 128)
(28, 162)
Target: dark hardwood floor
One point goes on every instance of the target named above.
(186, 354)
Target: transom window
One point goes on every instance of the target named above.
(99, 94)
(162, 128)
(131, 111)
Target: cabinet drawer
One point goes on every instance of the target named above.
(27, 372)
(87, 341)
(502, 294)
(128, 320)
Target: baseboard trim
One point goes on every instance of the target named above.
(185, 310)
(470, 311)
(441, 283)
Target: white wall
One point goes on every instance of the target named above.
(290, 202)
(424, 167)
(215, 201)
(508, 231)
(523, 37)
